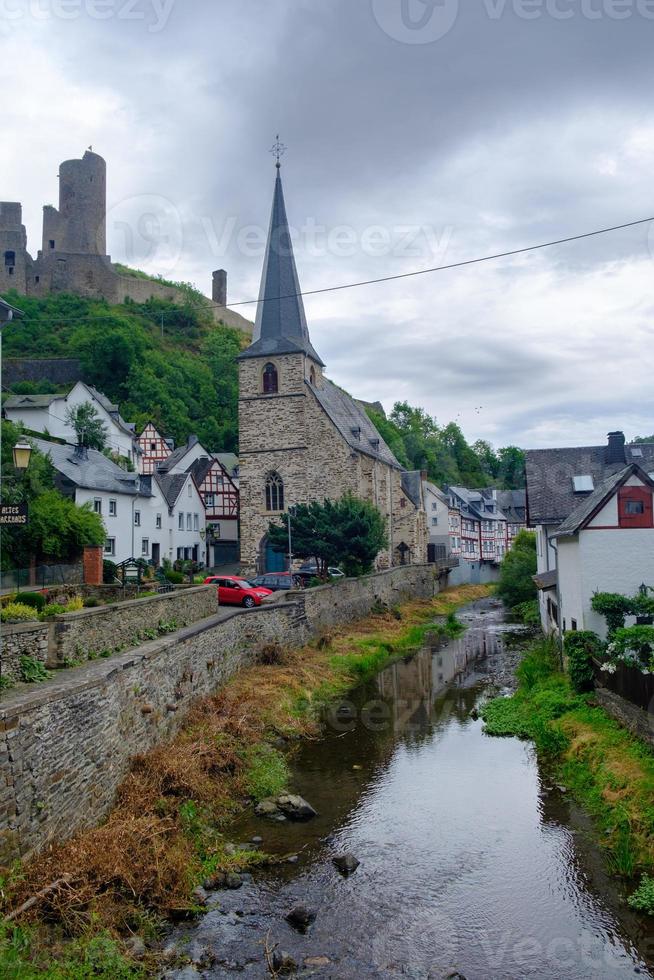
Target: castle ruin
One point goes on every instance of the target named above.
(73, 255)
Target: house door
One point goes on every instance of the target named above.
(156, 555)
(274, 561)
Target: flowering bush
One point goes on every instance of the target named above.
(634, 646)
(16, 612)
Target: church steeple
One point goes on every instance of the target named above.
(281, 326)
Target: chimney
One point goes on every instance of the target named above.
(219, 287)
(424, 476)
(192, 441)
(615, 450)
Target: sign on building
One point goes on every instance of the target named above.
(15, 514)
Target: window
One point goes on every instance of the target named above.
(312, 376)
(137, 518)
(196, 522)
(434, 506)
(97, 505)
(583, 484)
(270, 380)
(153, 447)
(274, 492)
(145, 546)
(189, 522)
(110, 546)
(158, 522)
(573, 625)
(403, 502)
(52, 243)
(10, 259)
(635, 507)
(434, 522)
(190, 489)
(113, 508)
(210, 501)
(180, 521)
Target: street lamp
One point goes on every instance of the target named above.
(22, 452)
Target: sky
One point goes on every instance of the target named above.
(418, 133)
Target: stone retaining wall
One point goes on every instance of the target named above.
(66, 744)
(22, 640)
(634, 719)
(91, 632)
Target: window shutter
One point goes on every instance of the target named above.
(635, 496)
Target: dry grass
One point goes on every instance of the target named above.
(164, 834)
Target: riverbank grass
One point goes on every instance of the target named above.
(166, 833)
(607, 769)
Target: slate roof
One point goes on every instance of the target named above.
(550, 492)
(412, 486)
(480, 504)
(546, 580)
(513, 504)
(229, 461)
(16, 402)
(200, 468)
(352, 422)
(171, 485)
(281, 325)
(177, 455)
(437, 492)
(93, 471)
(585, 510)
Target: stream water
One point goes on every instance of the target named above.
(472, 862)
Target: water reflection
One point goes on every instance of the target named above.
(468, 860)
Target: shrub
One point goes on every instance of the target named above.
(580, 648)
(643, 898)
(75, 604)
(32, 671)
(109, 571)
(34, 599)
(538, 663)
(614, 607)
(17, 612)
(53, 609)
(271, 654)
(527, 612)
(634, 645)
(175, 578)
(516, 583)
(91, 602)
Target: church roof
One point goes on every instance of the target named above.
(352, 422)
(281, 325)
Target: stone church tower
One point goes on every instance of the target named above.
(301, 437)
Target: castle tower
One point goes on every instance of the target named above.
(14, 260)
(79, 226)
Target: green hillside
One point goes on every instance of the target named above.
(171, 364)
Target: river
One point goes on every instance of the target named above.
(473, 863)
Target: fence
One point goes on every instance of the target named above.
(40, 576)
(628, 683)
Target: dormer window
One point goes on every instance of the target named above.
(270, 380)
(374, 443)
(583, 483)
(635, 507)
(312, 376)
(356, 431)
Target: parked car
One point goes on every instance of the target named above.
(277, 581)
(234, 591)
(310, 570)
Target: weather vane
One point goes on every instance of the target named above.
(278, 149)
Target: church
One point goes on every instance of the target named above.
(302, 438)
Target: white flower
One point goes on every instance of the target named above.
(608, 667)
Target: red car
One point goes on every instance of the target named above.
(234, 591)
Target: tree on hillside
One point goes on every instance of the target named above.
(90, 430)
(517, 570)
(348, 532)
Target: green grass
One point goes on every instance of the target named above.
(643, 898)
(267, 773)
(23, 956)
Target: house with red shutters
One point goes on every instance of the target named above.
(478, 528)
(590, 507)
(606, 545)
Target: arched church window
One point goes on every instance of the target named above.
(274, 492)
(270, 380)
(312, 376)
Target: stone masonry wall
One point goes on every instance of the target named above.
(93, 631)
(22, 640)
(66, 744)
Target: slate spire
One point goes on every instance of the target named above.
(281, 326)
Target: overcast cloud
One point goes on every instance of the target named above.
(419, 132)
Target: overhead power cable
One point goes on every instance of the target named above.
(371, 282)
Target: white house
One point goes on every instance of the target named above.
(605, 545)
(185, 517)
(438, 511)
(559, 481)
(182, 458)
(47, 414)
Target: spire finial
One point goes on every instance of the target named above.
(278, 150)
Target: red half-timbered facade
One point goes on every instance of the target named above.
(221, 503)
(154, 450)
